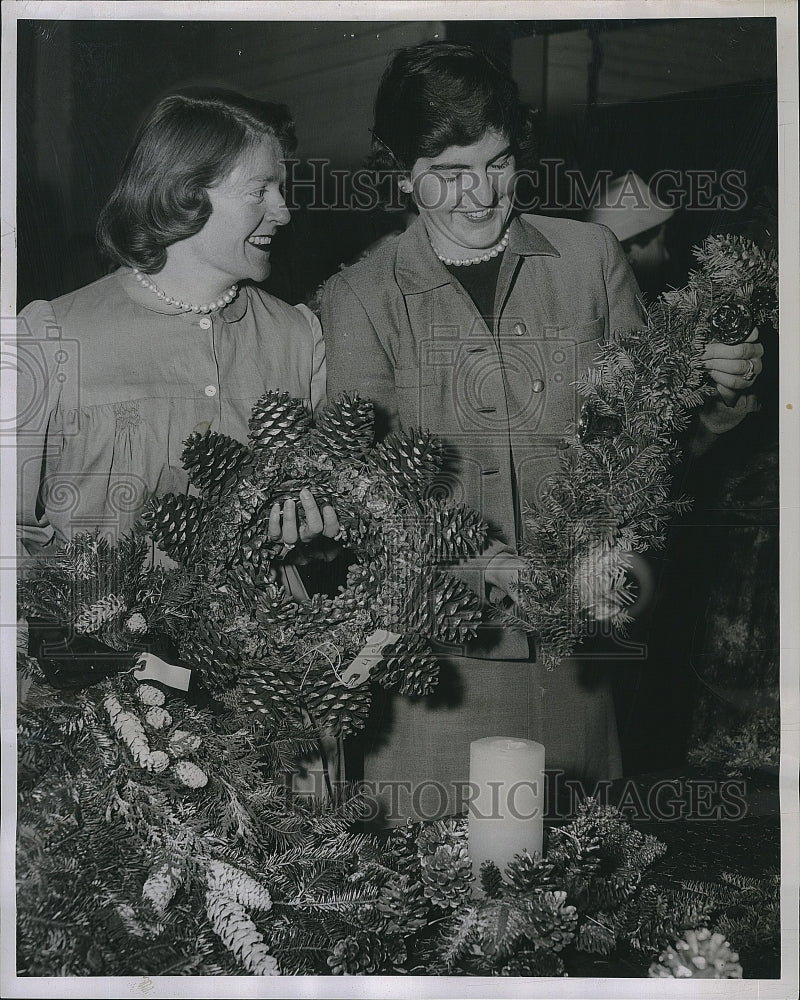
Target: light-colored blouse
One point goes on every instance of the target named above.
(111, 383)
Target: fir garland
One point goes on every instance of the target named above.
(611, 499)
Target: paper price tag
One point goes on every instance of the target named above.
(369, 657)
(152, 668)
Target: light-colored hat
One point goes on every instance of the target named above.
(629, 207)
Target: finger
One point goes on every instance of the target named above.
(313, 525)
(289, 535)
(274, 528)
(740, 367)
(331, 522)
(737, 383)
(733, 352)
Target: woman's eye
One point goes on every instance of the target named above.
(501, 164)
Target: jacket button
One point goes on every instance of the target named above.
(520, 329)
(211, 390)
(538, 385)
(205, 323)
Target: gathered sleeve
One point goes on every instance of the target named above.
(47, 369)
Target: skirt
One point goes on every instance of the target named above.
(414, 755)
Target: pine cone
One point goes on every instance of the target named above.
(411, 673)
(177, 523)
(215, 462)
(149, 695)
(699, 955)
(457, 609)
(337, 708)
(102, 611)
(346, 428)
(453, 532)
(407, 460)
(214, 654)
(136, 624)
(160, 887)
(235, 884)
(240, 935)
(254, 551)
(356, 956)
(270, 692)
(157, 718)
(277, 420)
(404, 905)
(445, 865)
(190, 774)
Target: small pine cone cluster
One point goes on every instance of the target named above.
(102, 611)
(130, 731)
(699, 955)
(182, 743)
(356, 955)
(157, 718)
(239, 934)
(190, 774)
(237, 885)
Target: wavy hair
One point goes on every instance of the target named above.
(189, 142)
(440, 94)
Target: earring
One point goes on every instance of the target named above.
(405, 185)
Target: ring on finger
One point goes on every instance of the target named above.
(749, 375)
(287, 548)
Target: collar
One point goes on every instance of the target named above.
(418, 269)
(230, 313)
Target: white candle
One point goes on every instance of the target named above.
(506, 799)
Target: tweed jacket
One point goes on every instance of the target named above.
(400, 330)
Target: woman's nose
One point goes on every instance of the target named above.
(277, 211)
(481, 192)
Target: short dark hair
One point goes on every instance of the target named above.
(189, 141)
(440, 94)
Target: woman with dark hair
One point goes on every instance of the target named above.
(178, 338)
(474, 323)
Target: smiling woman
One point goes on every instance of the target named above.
(176, 339)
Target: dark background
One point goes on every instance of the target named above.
(611, 95)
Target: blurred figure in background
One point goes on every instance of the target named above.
(639, 220)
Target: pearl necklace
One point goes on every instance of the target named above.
(227, 296)
(487, 255)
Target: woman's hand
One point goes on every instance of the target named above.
(735, 367)
(284, 525)
(502, 577)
